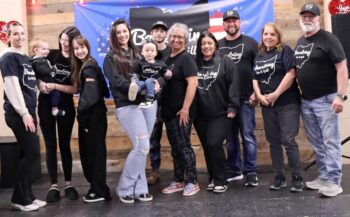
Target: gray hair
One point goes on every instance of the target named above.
(182, 27)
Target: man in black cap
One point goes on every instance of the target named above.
(242, 50)
(158, 32)
(322, 76)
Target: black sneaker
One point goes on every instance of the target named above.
(297, 184)
(127, 199)
(251, 180)
(148, 102)
(71, 193)
(53, 195)
(144, 197)
(279, 182)
(92, 198)
(220, 189)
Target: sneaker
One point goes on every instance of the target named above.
(26, 208)
(251, 180)
(145, 197)
(235, 177)
(279, 182)
(315, 184)
(191, 189)
(71, 193)
(220, 188)
(153, 178)
(174, 187)
(148, 102)
(39, 203)
(53, 195)
(133, 89)
(330, 190)
(127, 199)
(210, 186)
(92, 198)
(297, 184)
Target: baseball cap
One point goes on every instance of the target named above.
(160, 24)
(231, 14)
(310, 7)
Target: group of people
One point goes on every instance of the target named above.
(216, 91)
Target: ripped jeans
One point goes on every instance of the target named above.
(138, 125)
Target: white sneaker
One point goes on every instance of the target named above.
(27, 208)
(210, 186)
(39, 203)
(315, 184)
(133, 88)
(330, 190)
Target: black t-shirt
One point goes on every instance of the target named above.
(182, 66)
(242, 51)
(315, 59)
(270, 69)
(164, 54)
(15, 64)
(146, 70)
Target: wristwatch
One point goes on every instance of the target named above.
(342, 97)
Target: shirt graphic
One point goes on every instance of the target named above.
(265, 69)
(61, 74)
(28, 77)
(302, 54)
(149, 71)
(235, 53)
(209, 77)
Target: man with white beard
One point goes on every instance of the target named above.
(322, 76)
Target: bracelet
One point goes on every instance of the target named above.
(55, 87)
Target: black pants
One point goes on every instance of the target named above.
(155, 144)
(64, 128)
(183, 155)
(93, 152)
(212, 133)
(29, 154)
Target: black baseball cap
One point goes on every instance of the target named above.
(231, 14)
(160, 23)
(310, 7)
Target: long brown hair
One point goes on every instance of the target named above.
(279, 46)
(122, 62)
(11, 24)
(77, 64)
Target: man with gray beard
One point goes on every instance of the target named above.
(322, 76)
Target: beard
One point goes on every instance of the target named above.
(310, 27)
(232, 31)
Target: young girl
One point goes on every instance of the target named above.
(92, 119)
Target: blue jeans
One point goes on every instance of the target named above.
(322, 130)
(138, 124)
(148, 84)
(244, 122)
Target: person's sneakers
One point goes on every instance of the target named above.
(145, 197)
(39, 203)
(251, 180)
(220, 188)
(191, 189)
(26, 208)
(148, 102)
(71, 193)
(330, 190)
(174, 187)
(315, 184)
(53, 195)
(127, 199)
(278, 183)
(92, 198)
(58, 112)
(210, 186)
(153, 178)
(235, 177)
(297, 184)
(133, 89)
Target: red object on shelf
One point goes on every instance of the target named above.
(339, 7)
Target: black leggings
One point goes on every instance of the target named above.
(64, 128)
(29, 153)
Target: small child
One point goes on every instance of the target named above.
(45, 72)
(147, 70)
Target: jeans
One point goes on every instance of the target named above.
(322, 130)
(244, 122)
(148, 84)
(281, 126)
(138, 124)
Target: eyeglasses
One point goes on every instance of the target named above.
(177, 37)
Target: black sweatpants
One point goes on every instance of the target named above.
(29, 154)
(212, 133)
(64, 124)
(93, 152)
